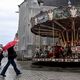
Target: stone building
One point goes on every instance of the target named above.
(28, 40)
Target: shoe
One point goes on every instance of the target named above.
(19, 74)
(2, 75)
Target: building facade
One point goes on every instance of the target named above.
(28, 40)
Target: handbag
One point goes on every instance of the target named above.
(14, 55)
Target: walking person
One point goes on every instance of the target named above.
(11, 56)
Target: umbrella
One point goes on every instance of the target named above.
(10, 44)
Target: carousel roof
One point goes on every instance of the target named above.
(55, 27)
(62, 21)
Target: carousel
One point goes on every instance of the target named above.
(62, 23)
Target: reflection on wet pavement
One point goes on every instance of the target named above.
(30, 72)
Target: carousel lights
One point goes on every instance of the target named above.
(36, 21)
(50, 14)
(73, 11)
(69, 3)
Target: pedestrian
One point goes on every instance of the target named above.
(11, 56)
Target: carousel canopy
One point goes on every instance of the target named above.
(62, 22)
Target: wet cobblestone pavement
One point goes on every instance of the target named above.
(30, 72)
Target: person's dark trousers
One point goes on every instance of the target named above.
(10, 61)
(1, 57)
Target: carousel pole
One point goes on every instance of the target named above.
(35, 40)
(72, 39)
(50, 18)
(73, 31)
(53, 36)
(77, 36)
(67, 37)
(63, 38)
(39, 39)
(73, 12)
(61, 42)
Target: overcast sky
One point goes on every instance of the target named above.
(8, 19)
